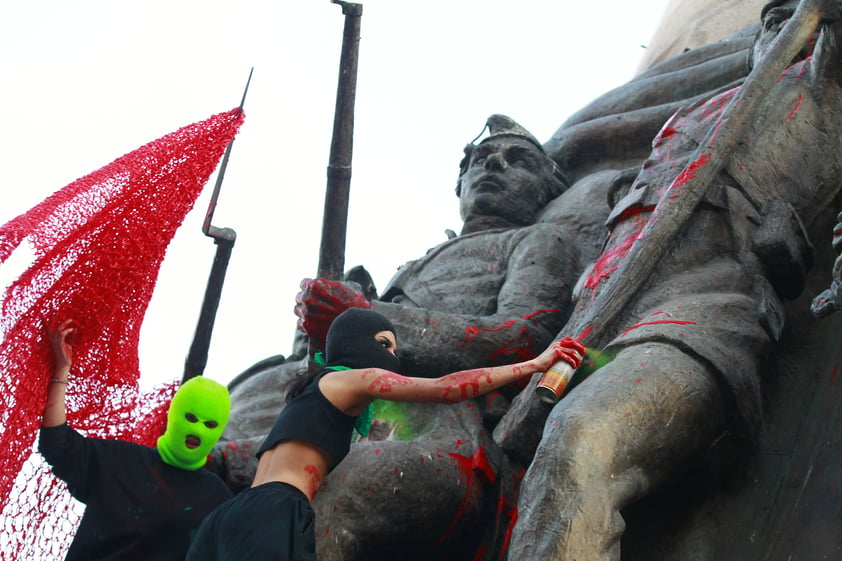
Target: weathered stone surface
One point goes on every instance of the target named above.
(433, 484)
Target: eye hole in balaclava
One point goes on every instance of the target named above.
(351, 343)
(197, 416)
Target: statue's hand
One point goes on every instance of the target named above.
(827, 302)
(320, 301)
(830, 299)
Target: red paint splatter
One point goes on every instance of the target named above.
(662, 313)
(795, 109)
(803, 67)
(609, 261)
(475, 470)
(520, 346)
(466, 383)
(676, 322)
(833, 376)
(686, 175)
(634, 210)
(510, 511)
(386, 381)
(471, 332)
(316, 477)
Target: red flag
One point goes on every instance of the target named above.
(98, 244)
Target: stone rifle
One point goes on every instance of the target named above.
(224, 238)
(337, 192)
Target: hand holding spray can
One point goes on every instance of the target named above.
(552, 384)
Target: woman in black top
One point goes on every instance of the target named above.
(273, 519)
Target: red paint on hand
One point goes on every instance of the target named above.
(570, 351)
(320, 301)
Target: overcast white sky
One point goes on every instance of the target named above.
(88, 81)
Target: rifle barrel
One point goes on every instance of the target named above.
(337, 193)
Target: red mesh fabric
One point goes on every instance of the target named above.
(98, 245)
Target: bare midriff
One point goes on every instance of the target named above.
(295, 462)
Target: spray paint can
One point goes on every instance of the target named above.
(552, 384)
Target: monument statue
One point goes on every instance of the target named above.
(496, 293)
(708, 378)
(688, 350)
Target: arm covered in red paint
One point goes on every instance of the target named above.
(467, 384)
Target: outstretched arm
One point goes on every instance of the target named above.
(456, 322)
(352, 390)
(54, 410)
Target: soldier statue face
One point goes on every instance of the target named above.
(505, 177)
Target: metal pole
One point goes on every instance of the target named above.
(335, 218)
(224, 238)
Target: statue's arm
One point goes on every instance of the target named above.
(532, 306)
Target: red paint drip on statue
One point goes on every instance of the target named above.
(795, 109)
(519, 345)
(471, 331)
(676, 322)
(804, 66)
(609, 261)
(504, 508)
(585, 333)
(686, 175)
(473, 468)
(667, 132)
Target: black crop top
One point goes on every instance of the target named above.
(311, 417)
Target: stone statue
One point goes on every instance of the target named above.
(496, 293)
(431, 484)
(688, 350)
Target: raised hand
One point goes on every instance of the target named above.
(320, 301)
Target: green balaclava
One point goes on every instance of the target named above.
(195, 421)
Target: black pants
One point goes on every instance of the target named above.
(270, 522)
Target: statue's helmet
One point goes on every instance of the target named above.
(501, 126)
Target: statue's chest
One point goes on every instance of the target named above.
(464, 276)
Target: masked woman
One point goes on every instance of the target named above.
(273, 519)
(141, 503)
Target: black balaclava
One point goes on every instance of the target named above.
(350, 341)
